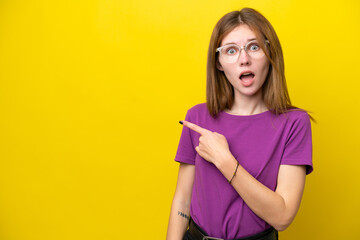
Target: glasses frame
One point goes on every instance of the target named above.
(240, 47)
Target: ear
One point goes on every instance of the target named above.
(218, 66)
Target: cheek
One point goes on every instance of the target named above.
(229, 70)
(264, 68)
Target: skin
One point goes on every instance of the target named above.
(181, 202)
(248, 100)
(279, 207)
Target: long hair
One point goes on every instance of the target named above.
(219, 91)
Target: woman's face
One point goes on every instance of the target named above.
(248, 72)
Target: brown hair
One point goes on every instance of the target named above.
(219, 91)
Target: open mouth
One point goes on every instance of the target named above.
(247, 76)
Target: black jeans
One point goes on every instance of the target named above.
(187, 236)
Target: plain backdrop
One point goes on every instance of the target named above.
(91, 92)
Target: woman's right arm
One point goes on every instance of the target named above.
(180, 208)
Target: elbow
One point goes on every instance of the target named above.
(281, 228)
(282, 225)
(182, 201)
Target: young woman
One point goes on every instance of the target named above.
(245, 153)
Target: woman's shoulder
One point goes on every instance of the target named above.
(296, 115)
(197, 111)
(201, 107)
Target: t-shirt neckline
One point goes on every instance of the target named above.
(253, 116)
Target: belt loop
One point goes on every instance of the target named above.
(211, 238)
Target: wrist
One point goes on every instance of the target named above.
(228, 167)
(226, 162)
(232, 177)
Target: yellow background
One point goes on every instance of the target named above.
(91, 93)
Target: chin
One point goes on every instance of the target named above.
(250, 92)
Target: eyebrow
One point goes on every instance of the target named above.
(251, 39)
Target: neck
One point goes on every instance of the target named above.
(248, 105)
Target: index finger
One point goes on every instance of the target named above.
(195, 127)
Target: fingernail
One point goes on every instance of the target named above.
(181, 122)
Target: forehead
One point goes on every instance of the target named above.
(239, 35)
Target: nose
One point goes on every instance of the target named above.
(244, 58)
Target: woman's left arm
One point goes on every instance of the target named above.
(276, 208)
(279, 207)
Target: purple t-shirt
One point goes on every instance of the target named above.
(261, 143)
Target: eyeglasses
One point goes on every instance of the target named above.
(230, 53)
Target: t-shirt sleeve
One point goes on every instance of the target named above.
(186, 151)
(298, 147)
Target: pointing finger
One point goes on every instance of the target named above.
(195, 127)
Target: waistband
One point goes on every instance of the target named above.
(198, 234)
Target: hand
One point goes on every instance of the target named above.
(213, 146)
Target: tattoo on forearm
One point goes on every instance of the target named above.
(183, 215)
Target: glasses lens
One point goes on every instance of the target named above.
(254, 50)
(230, 53)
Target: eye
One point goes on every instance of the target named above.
(230, 50)
(253, 47)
